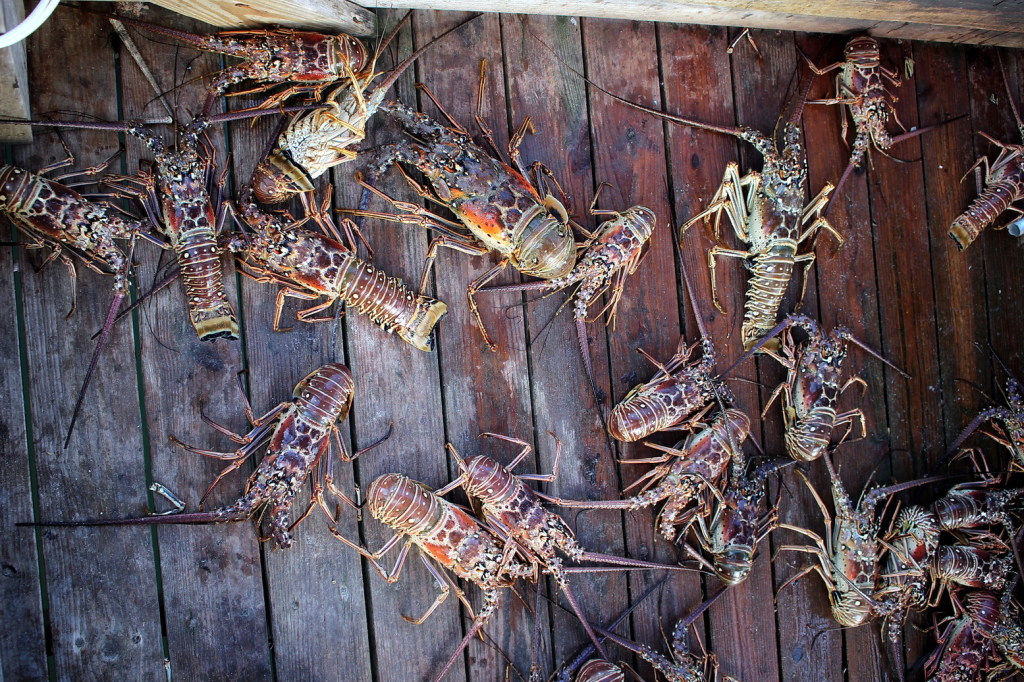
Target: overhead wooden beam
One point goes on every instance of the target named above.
(979, 22)
(335, 16)
(13, 76)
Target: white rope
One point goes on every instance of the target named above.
(33, 21)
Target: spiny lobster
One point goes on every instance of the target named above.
(848, 557)
(737, 525)
(680, 391)
(55, 216)
(515, 512)
(502, 210)
(176, 197)
(863, 84)
(449, 536)
(614, 254)
(1004, 184)
(767, 212)
(684, 473)
(310, 61)
(315, 141)
(299, 434)
(309, 265)
(812, 387)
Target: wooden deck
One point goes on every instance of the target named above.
(212, 603)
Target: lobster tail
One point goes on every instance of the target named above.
(981, 213)
(417, 331)
(390, 304)
(208, 307)
(770, 275)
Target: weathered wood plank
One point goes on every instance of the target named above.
(959, 277)
(14, 95)
(694, 62)
(482, 391)
(101, 593)
(211, 575)
(629, 152)
(908, 317)
(761, 91)
(401, 385)
(563, 400)
(320, 15)
(991, 114)
(318, 570)
(22, 652)
(979, 24)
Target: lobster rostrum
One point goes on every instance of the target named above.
(55, 216)
(848, 558)
(315, 141)
(449, 536)
(307, 60)
(684, 474)
(517, 514)
(812, 387)
(610, 257)
(1004, 185)
(309, 265)
(863, 85)
(299, 435)
(502, 211)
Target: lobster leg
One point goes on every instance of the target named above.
(287, 292)
(713, 253)
(471, 292)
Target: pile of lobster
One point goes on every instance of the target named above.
(711, 488)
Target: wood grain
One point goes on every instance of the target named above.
(980, 22)
(114, 603)
(320, 15)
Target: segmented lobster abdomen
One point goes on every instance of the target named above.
(809, 436)
(972, 566)
(769, 277)
(995, 199)
(389, 303)
(199, 260)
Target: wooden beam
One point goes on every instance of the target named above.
(322, 15)
(978, 22)
(13, 76)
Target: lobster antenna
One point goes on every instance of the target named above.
(982, 416)
(846, 334)
(108, 327)
(173, 519)
(725, 130)
(1009, 96)
(976, 387)
(775, 331)
(405, 63)
(588, 651)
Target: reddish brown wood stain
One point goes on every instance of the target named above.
(217, 605)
